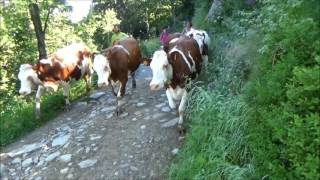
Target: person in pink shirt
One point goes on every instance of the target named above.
(164, 36)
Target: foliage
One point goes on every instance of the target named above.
(145, 19)
(264, 73)
(18, 45)
(285, 88)
(149, 46)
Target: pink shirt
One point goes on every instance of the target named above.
(164, 37)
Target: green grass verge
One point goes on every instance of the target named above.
(18, 118)
(215, 145)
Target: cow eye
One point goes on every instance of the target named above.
(165, 66)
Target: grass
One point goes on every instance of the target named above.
(215, 145)
(18, 118)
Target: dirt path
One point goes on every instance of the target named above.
(90, 142)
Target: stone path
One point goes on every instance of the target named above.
(90, 142)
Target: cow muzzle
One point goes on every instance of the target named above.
(103, 84)
(24, 93)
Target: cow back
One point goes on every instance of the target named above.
(135, 57)
(181, 69)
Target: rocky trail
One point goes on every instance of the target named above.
(91, 142)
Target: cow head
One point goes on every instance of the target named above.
(202, 39)
(102, 67)
(28, 78)
(161, 70)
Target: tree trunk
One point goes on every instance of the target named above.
(40, 33)
(215, 10)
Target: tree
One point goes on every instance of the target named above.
(40, 32)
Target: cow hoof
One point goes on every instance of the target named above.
(119, 111)
(181, 130)
(67, 108)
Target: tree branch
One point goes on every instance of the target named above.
(46, 21)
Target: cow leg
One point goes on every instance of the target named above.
(38, 99)
(66, 91)
(182, 107)
(172, 104)
(133, 80)
(120, 100)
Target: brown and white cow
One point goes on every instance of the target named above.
(171, 70)
(116, 63)
(203, 41)
(70, 62)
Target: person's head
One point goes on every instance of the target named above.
(116, 29)
(164, 29)
(188, 24)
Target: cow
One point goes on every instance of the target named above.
(203, 41)
(171, 70)
(114, 65)
(70, 62)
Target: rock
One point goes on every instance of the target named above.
(26, 162)
(79, 150)
(170, 123)
(124, 114)
(133, 168)
(92, 138)
(109, 109)
(114, 163)
(70, 164)
(41, 162)
(70, 176)
(143, 127)
(3, 169)
(65, 158)
(64, 171)
(25, 149)
(109, 116)
(116, 173)
(140, 104)
(165, 109)
(160, 105)
(3, 157)
(175, 151)
(124, 165)
(87, 150)
(138, 113)
(16, 161)
(134, 119)
(157, 115)
(52, 156)
(87, 163)
(81, 104)
(97, 95)
(60, 140)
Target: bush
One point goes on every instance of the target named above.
(150, 46)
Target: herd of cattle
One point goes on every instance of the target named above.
(182, 57)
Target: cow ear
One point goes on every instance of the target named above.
(146, 61)
(92, 55)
